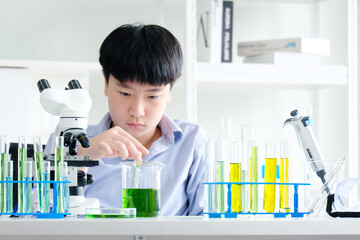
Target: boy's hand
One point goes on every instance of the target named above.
(113, 143)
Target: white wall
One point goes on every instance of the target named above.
(73, 31)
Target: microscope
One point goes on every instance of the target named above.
(72, 105)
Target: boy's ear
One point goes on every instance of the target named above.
(169, 99)
(105, 84)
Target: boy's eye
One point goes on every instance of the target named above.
(124, 94)
(153, 97)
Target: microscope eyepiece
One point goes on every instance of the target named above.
(43, 84)
(294, 113)
(74, 84)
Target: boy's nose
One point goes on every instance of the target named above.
(137, 109)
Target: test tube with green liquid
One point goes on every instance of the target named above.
(254, 178)
(284, 176)
(27, 187)
(39, 168)
(46, 187)
(4, 157)
(22, 155)
(59, 162)
(235, 170)
(9, 187)
(64, 176)
(270, 176)
(221, 153)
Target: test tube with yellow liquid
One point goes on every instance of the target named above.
(254, 191)
(270, 176)
(221, 154)
(235, 170)
(284, 176)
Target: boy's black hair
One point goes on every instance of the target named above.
(147, 54)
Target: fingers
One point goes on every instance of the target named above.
(137, 144)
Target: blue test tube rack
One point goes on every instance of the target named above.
(230, 214)
(54, 213)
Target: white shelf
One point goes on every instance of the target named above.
(50, 66)
(272, 74)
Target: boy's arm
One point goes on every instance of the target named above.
(197, 175)
(111, 143)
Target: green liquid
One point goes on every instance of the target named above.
(107, 216)
(39, 163)
(3, 159)
(146, 201)
(220, 187)
(21, 174)
(59, 159)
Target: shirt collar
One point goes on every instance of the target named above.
(169, 129)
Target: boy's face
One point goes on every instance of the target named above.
(137, 108)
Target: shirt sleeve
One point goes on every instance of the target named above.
(197, 175)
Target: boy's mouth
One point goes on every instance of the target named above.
(136, 125)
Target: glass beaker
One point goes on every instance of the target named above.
(141, 187)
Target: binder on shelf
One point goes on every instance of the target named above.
(209, 24)
(301, 45)
(227, 31)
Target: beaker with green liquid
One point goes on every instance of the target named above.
(141, 187)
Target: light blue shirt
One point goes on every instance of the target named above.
(181, 148)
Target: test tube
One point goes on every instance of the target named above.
(59, 160)
(235, 170)
(22, 155)
(9, 187)
(27, 187)
(247, 138)
(45, 188)
(221, 153)
(284, 176)
(211, 176)
(4, 153)
(270, 176)
(64, 176)
(39, 168)
(254, 178)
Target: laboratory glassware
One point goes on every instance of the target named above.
(270, 176)
(221, 155)
(4, 156)
(59, 160)
(45, 187)
(254, 171)
(27, 187)
(9, 187)
(141, 187)
(284, 176)
(235, 171)
(39, 168)
(22, 155)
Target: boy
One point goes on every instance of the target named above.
(140, 65)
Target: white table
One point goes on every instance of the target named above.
(180, 228)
